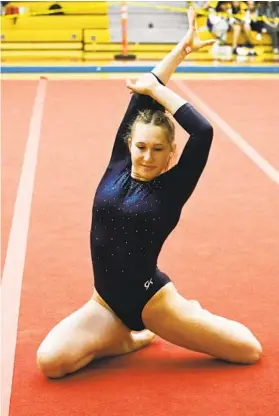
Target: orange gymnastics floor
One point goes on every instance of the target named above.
(224, 252)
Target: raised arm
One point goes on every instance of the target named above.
(137, 103)
(185, 175)
(187, 172)
(190, 42)
(160, 98)
(166, 67)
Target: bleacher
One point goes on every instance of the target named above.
(82, 33)
(37, 35)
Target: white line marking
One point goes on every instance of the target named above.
(16, 250)
(232, 134)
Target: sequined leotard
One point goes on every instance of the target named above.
(132, 219)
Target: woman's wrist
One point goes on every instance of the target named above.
(172, 60)
(167, 98)
(187, 49)
(182, 51)
(156, 91)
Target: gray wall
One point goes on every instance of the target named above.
(168, 27)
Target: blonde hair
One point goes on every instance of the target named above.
(157, 118)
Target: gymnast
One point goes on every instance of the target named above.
(137, 204)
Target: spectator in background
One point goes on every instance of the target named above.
(240, 25)
(270, 10)
(201, 6)
(251, 17)
(204, 4)
(218, 24)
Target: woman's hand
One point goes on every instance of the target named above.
(192, 40)
(144, 85)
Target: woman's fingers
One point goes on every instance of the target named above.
(207, 42)
(128, 83)
(196, 23)
(130, 86)
(202, 43)
(191, 18)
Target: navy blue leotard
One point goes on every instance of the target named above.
(131, 219)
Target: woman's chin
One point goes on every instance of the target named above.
(145, 174)
(148, 176)
(142, 177)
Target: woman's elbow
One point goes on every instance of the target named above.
(208, 130)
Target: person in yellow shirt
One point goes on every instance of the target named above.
(218, 22)
(241, 25)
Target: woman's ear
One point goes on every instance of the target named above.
(129, 141)
(173, 148)
(172, 155)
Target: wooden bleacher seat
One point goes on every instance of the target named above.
(70, 7)
(41, 55)
(55, 22)
(77, 35)
(41, 36)
(37, 46)
(85, 38)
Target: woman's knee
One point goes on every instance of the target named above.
(52, 365)
(253, 352)
(243, 346)
(247, 27)
(247, 349)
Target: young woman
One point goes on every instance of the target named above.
(217, 24)
(137, 204)
(241, 25)
(270, 12)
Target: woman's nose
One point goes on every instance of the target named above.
(148, 155)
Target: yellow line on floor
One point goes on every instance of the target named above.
(106, 76)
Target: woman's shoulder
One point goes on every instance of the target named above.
(119, 166)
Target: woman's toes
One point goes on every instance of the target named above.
(141, 339)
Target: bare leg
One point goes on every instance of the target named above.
(91, 332)
(186, 324)
(247, 32)
(236, 33)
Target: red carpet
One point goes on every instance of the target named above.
(223, 253)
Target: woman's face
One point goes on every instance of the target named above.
(224, 6)
(150, 151)
(251, 5)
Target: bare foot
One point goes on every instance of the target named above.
(141, 339)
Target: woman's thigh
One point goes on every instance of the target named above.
(186, 324)
(91, 330)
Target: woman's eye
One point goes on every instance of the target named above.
(142, 148)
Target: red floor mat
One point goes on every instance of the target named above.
(17, 103)
(224, 253)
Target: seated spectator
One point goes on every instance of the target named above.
(240, 25)
(203, 5)
(218, 24)
(270, 10)
(251, 17)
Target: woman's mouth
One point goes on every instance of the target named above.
(148, 167)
